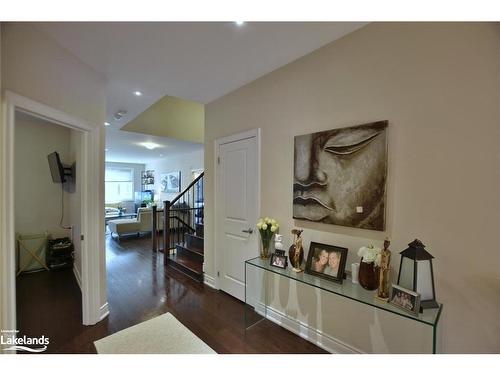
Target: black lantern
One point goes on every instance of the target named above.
(415, 273)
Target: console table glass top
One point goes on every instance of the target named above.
(348, 290)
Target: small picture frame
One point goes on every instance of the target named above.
(279, 259)
(326, 261)
(405, 299)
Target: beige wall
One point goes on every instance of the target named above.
(171, 163)
(438, 85)
(35, 66)
(1, 170)
(37, 202)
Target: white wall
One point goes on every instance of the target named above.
(438, 85)
(180, 162)
(35, 66)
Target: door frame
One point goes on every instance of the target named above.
(217, 143)
(92, 247)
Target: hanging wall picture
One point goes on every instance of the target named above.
(171, 182)
(340, 176)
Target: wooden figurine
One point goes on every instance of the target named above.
(385, 261)
(296, 252)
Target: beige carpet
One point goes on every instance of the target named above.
(161, 335)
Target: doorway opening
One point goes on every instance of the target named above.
(37, 210)
(48, 225)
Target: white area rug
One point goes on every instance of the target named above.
(161, 335)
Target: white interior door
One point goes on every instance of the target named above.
(237, 200)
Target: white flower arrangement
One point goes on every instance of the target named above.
(267, 228)
(370, 254)
(265, 223)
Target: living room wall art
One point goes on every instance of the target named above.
(340, 176)
(171, 182)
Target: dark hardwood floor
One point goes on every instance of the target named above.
(49, 303)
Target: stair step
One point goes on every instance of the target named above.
(194, 241)
(200, 230)
(191, 252)
(186, 265)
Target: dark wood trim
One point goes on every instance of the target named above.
(154, 231)
(166, 231)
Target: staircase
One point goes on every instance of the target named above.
(188, 256)
(183, 231)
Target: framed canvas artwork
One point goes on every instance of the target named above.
(171, 182)
(340, 176)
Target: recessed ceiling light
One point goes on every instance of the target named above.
(161, 154)
(137, 93)
(150, 145)
(239, 23)
(107, 123)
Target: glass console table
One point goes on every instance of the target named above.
(347, 290)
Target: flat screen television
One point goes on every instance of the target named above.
(58, 171)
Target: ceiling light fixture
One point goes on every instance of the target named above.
(137, 93)
(239, 23)
(107, 123)
(106, 149)
(150, 145)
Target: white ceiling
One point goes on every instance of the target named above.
(125, 147)
(199, 61)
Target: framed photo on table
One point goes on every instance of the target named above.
(326, 261)
(278, 259)
(405, 299)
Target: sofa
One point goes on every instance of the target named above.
(143, 223)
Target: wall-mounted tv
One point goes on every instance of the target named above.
(58, 171)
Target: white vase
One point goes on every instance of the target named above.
(355, 273)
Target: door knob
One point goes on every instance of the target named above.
(249, 230)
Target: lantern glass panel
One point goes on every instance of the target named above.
(424, 280)
(406, 273)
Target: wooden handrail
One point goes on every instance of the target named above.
(186, 189)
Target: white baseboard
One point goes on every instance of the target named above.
(78, 278)
(103, 311)
(308, 333)
(209, 280)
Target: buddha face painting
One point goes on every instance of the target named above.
(340, 176)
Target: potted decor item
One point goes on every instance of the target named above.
(267, 228)
(369, 267)
(296, 251)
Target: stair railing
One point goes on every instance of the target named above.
(180, 216)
